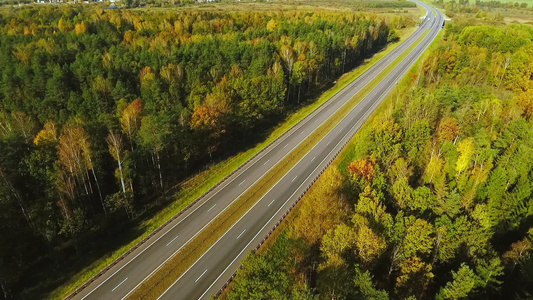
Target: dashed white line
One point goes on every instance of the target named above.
(266, 162)
(328, 143)
(285, 146)
(317, 120)
(172, 240)
(271, 202)
(302, 132)
(119, 284)
(200, 276)
(294, 179)
(211, 207)
(313, 158)
(241, 233)
(242, 182)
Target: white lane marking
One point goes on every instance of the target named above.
(336, 95)
(266, 162)
(242, 182)
(285, 146)
(294, 178)
(241, 233)
(313, 158)
(200, 276)
(274, 215)
(119, 284)
(328, 143)
(302, 132)
(172, 240)
(271, 202)
(285, 137)
(211, 207)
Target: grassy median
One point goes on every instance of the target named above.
(201, 183)
(176, 266)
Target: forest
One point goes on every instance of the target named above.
(433, 199)
(103, 111)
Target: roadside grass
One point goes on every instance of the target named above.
(201, 183)
(186, 257)
(345, 156)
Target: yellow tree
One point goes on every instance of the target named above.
(80, 28)
(47, 135)
(322, 208)
(130, 120)
(466, 150)
(525, 102)
(448, 130)
(75, 155)
(62, 25)
(114, 142)
(369, 244)
(519, 251)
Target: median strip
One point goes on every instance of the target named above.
(177, 265)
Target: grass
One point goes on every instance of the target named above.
(176, 266)
(200, 184)
(345, 156)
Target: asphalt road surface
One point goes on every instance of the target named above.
(208, 274)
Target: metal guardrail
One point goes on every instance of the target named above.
(227, 283)
(143, 241)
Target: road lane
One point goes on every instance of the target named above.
(128, 273)
(224, 257)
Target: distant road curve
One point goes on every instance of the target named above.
(208, 274)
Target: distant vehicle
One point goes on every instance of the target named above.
(443, 23)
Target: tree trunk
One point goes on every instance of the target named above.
(159, 168)
(19, 200)
(5, 289)
(121, 175)
(99, 191)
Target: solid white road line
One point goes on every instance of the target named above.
(172, 240)
(356, 124)
(211, 207)
(201, 275)
(356, 81)
(285, 137)
(271, 202)
(241, 233)
(119, 284)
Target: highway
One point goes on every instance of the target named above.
(208, 274)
